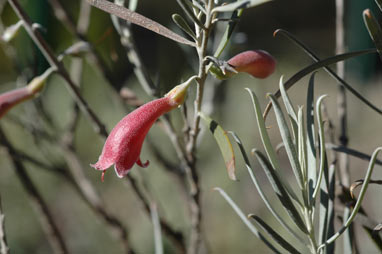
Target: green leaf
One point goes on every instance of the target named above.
(190, 13)
(327, 69)
(241, 215)
(224, 144)
(259, 189)
(268, 146)
(302, 145)
(139, 20)
(182, 24)
(359, 201)
(280, 191)
(374, 29)
(287, 140)
(290, 110)
(315, 66)
(379, 3)
(241, 4)
(274, 235)
(311, 140)
(228, 32)
(321, 131)
(351, 152)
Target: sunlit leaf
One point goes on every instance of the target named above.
(310, 53)
(357, 206)
(280, 191)
(228, 32)
(182, 24)
(331, 60)
(260, 190)
(190, 13)
(139, 20)
(224, 144)
(241, 215)
(274, 235)
(287, 140)
(241, 4)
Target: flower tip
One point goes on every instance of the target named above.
(178, 94)
(143, 165)
(103, 176)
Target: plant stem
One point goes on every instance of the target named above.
(191, 171)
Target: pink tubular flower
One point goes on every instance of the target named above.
(123, 146)
(258, 63)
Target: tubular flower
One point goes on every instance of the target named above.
(16, 96)
(123, 146)
(258, 63)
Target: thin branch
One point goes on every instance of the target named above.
(4, 249)
(49, 224)
(45, 49)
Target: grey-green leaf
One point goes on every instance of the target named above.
(241, 4)
(325, 62)
(188, 10)
(280, 191)
(139, 20)
(287, 140)
(259, 189)
(241, 215)
(179, 21)
(228, 32)
(274, 235)
(224, 144)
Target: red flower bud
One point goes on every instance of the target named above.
(123, 146)
(258, 63)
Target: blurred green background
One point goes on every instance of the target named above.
(169, 64)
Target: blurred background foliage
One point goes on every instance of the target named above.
(169, 64)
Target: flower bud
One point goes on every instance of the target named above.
(258, 63)
(123, 146)
(10, 99)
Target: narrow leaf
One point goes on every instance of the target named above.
(302, 145)
(241, 4)
(179, 21)
(259, 189)
(280, 191)
(315, 66)
(287, 140)
(274, 235)
(139, 20)
(326, 68)
(323, 161)
(359, 201)
(290, 110)
(241, 215)
(268, 146)
(360, 182)
(351, 152)
(157, 229)
(311, 140)
(374, 29)
(379, 3)
(228, 32)
(188, 10)
(224, 144)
